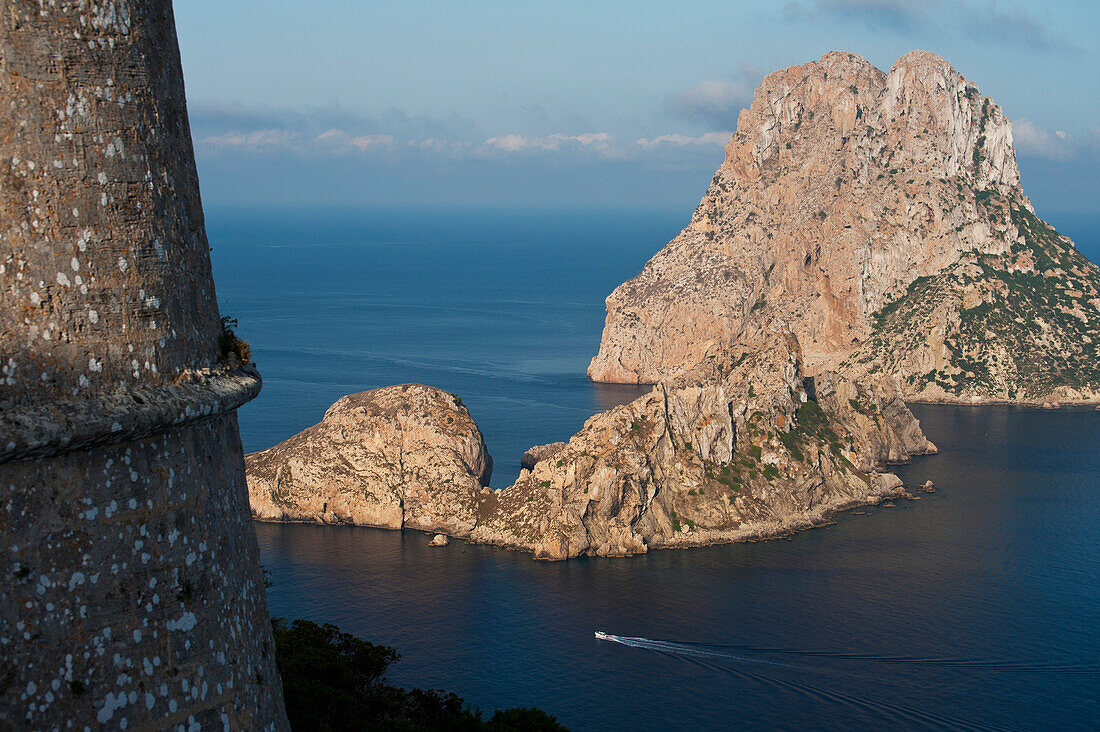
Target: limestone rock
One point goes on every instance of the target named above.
(880, 218)
(406, 456)
(746, 446)
(735, 450)
(538, 453)
(439, 540)
(887, 483)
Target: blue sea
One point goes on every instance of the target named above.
(977, 607)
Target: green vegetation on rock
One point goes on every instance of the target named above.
(1015, 326)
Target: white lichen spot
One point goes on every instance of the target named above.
(110, 703)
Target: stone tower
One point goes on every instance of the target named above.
(132, 595)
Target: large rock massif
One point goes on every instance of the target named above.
(865, 241)
(880, 218)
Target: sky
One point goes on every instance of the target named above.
(583, 104)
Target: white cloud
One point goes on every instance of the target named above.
(512, 143)
(1031, 140)
(556, 141)
(255, 138)
(709, 138)
(715, 102)
(331, 136)
(668, 148)
(439, 146)
(362, 142)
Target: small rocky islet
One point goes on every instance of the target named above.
(865, 242)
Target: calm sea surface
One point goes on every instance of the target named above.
(975, 607)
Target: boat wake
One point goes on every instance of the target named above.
(741, 653)
(976, 664)
(737, 661)
(680, 649)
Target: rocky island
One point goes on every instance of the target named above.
(402, 456)
(865, 241)
(878, 216)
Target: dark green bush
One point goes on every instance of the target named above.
(335, 681)
(231, 345)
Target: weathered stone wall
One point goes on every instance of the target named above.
(103, 254)
(132, 594)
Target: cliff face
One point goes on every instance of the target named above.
(132, 593)
(1023, 325)
(402, 456)
(738, 449)
(843, 192)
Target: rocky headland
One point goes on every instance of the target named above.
(865, 241)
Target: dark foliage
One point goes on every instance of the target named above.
(333, 681)
(230, 345)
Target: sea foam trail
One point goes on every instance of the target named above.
(975, 664)
(712, 656)
(682, 649)
(735, 652)
(893, 714)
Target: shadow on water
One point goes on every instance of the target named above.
(609, 396)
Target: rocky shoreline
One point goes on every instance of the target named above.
(741, 450)
(979, 402)
(814, 520)
(818, 518)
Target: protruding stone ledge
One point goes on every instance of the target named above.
(127, 414)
